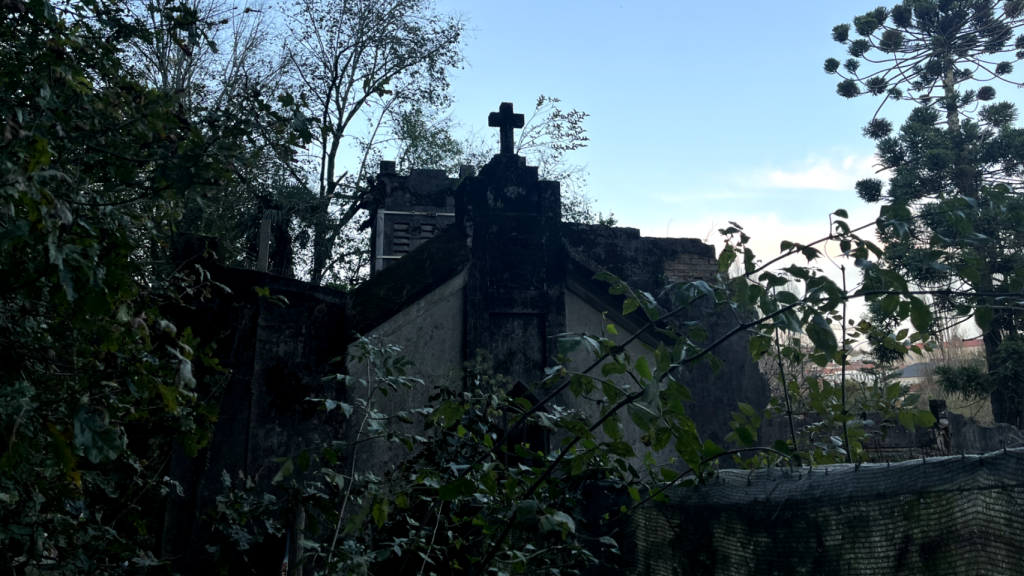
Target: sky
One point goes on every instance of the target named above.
(699, 114)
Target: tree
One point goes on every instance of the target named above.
(955, 162)
(220, 64)
(354, 63)
(96, 384)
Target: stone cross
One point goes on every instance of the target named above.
(507, 122)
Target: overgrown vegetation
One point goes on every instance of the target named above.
(99, 167)
(955, 163)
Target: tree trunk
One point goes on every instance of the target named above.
(296, 535)
(321, 249)
(949, 89)
(1006, 408)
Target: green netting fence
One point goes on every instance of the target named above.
(943, 516)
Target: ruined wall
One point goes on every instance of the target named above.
(715, 396)
(642, 262)
(277, 356)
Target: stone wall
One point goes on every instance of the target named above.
(277, 356)
(642, 262)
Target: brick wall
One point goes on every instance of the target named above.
(688, 267)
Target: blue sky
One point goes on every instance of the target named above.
(701, 112)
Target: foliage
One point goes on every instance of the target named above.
(929, 47)
(971, 381)
(425, 141)
(432, 512)
(955, 163)
(96, 383)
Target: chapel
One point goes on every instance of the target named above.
(478, 266)
(482, 264)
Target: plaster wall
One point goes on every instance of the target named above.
(581, 317)
(430, 334)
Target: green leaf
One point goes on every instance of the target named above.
(487, 480)
(906, 418)
(715, 363)
(890, 304)
(642, 368)
(712, 450)
(640, 416)
(920, 314)
(613, 428)
(526, 511)
(621, 449)
(629, 306)
(329, 405)
(821, 334)
(727, 257)
(983, 317)
(969, 273)
(650, 396)
(783, 446)
(745, 435)
(303, 460)
(924, 418)
(98, 440)
(460, 487)
(380, 512)
(609, 368)
(557, 521)
(286, 470)
(634, 493)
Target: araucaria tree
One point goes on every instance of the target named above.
(955, 164)
(356, 63)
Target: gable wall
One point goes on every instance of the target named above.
(581, 317)
(430, 334)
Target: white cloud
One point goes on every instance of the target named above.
(768, 230)
(819, 174)
(702, 195)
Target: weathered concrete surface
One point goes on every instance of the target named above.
(430, 334)
(516, 275)
(407, 280)
(406, 211)
(582, 318)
